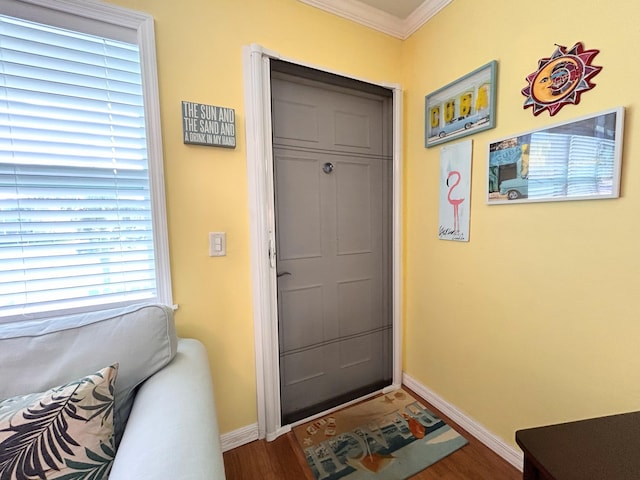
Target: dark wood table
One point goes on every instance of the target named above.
(604, 448)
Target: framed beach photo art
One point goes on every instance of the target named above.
(462, 107)
(575, 160)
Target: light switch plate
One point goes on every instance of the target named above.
(217, 244)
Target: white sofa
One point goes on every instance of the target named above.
(164, 417)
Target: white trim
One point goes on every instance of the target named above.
(255, 141)
(239, 437)
(95, 9)
(262, 230)
(362, 14)
(149, 69)
(478, 431)
(422, 15)
(397, 237)
(88, 16)
(377, 19)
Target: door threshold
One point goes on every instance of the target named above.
(311, 413)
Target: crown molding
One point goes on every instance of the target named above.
(378, 20)
(422, 15)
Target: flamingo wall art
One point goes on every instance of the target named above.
(455, 191)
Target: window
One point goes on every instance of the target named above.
(82, 219)
(567, 165)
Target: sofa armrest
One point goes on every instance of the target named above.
(172, 432)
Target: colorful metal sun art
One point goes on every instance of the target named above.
(560, 79)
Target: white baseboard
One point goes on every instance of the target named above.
(510, 454)
(239, 437)
(249, 433)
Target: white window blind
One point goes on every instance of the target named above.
(570, 165)
(76, 213)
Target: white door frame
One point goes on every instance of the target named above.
(257, 94)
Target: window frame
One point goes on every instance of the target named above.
(107, 20)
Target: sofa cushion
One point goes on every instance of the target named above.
(36, 355)
(66, 431)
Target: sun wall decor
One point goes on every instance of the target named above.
(560, 79)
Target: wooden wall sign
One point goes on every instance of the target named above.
(208, 125)
(560, 79)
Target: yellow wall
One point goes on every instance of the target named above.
(533, 320)
(199, 48)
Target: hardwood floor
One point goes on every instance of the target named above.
(283, 459)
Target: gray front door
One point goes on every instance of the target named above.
(333, 227)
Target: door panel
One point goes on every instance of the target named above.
(302, 125)
(352, 130)
(356, 234)
(298, 207)
(349, 123)
(303, 302)
(332, 230)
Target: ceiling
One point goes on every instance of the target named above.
(399, 18)
(398, 8)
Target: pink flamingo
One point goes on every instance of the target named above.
(455, 202)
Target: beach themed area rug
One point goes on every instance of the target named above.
(389, 437)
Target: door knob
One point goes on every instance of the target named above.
(280, 274)
(327, 167)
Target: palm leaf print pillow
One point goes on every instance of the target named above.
(65, 433)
